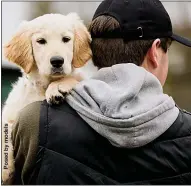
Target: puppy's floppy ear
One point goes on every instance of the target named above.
(19, 49)
(82, 40)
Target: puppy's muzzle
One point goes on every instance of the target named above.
(57, 62)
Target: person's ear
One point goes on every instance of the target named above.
(154, 53)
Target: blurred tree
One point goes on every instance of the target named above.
(40, 8)
(179, 85)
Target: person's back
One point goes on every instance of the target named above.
(117, 127)
(71, 152)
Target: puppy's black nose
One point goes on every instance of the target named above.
(57, 61)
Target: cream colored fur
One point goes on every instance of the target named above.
(38, 82)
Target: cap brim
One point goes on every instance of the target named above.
(181, 40)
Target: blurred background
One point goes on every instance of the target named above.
(179, 80)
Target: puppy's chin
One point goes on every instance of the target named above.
(57, 72)
(56, 77)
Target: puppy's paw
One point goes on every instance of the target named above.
(66, 85)
(57, 91)
(53, 96)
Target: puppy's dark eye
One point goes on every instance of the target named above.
(66, 39)
(41, 41)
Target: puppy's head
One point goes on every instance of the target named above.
(52, 43)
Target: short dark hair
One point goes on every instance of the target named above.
(108, 52)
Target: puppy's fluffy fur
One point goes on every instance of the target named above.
(32, 47)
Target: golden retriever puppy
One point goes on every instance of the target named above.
(50, 50)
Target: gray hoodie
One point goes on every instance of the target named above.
(125, 104)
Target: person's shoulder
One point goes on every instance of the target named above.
(180, 128)
(186, 112)
(31, 109)
(184, 115)
(182, 124)
(28, 121)
(25, 136)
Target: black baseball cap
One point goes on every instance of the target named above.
(138, 19)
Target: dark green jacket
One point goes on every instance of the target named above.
(53, 145)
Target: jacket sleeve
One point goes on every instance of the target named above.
(25, 142)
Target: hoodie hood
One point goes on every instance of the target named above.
(125, 104)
